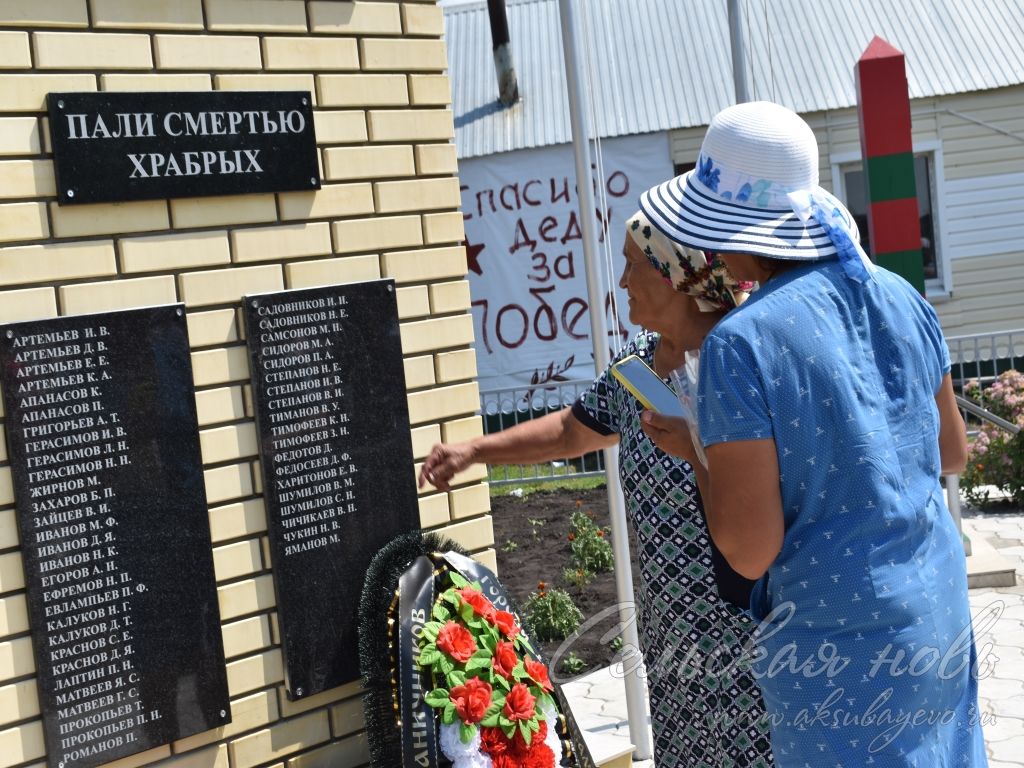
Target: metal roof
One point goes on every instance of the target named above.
(656, 65)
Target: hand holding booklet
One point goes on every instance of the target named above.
(647, 387)
(654, 394)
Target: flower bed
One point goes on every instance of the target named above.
(542, 552)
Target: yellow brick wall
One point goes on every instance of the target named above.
(389, 207)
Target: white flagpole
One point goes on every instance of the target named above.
(636, 707)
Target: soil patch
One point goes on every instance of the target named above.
(541, 553)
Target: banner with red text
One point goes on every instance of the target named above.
(525, 252)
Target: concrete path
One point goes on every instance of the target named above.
(598, 698)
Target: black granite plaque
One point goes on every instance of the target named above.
(329, 388)
(109, 147)
(103, 442)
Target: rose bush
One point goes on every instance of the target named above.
(995, 456)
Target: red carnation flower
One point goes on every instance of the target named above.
(494, 742)
(474, 598)
(455, 640)
(471, 700)
(539, 674)
(519, 703)
(505, 659)
(506, 622)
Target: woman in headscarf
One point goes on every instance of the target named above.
(705, 709)
(827, 413)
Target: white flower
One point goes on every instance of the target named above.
(517, 492)
(552, 739)
(463, 755)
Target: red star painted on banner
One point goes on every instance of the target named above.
(473, 255)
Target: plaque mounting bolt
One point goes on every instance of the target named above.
(305, 102)
(71, 193)
(10, 334)
(312, 180)
(179, 312)
(255, 304)
(60, 104)
(223, 713)
(298, 691)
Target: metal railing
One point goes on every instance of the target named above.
(504, 408)
(980, 357)
(983, 356)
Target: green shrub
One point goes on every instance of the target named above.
(996, 457)
(551, 613)
(573, 664)
(577, 577)
(591, 550)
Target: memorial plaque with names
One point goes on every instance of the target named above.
(110, 147)
(104, 450)
(333, 420)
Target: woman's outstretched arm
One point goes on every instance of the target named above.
(558, 435)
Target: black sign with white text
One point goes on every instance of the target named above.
(336, 453)
(111, 506)
(112, 147)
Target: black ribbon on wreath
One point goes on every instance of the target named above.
(398, 596)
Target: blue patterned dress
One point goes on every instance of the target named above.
(706, 709)
(867, 648)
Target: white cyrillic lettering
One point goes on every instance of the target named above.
(156, 162)
(173, 169)
(100, 129)
(226, 166)
(191, 164)
(144, 124)
(298, 118)
(138, 171)
(167, 123)
(250, 155)
(209, 158)
(269, 126)
(76, 127)
(234, 118)
(217, 124)
(195, 125)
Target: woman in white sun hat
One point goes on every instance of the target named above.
(827, 413)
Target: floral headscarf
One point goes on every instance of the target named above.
(687, 269)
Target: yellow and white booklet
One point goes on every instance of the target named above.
(647, 387)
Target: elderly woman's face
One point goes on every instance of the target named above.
(650, 296)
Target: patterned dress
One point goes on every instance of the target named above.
(866, 633)
(706, 709)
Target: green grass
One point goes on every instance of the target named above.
(557, 480)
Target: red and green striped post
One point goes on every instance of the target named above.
(883, 107)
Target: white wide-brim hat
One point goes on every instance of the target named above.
(754, 190)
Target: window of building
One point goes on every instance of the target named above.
(850, 187)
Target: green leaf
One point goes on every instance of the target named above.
(457, 579)
(479, 660)
(490, 721)
(525, 732)
(440, 613)
(457, 677)
(437, 698)
(504, 722)
(429, 656)
(519, 671)
(449, 715)
(467, 732)
(445, 664)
